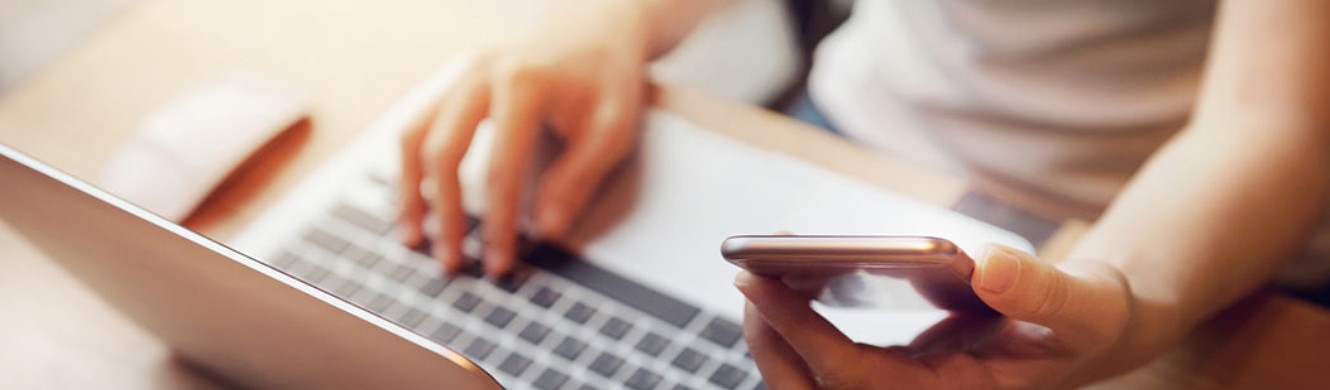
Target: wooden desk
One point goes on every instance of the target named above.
(356, 59)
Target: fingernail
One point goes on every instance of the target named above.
(493, 273)
(492, 260)
(999, 271)
(441, 252)
(745, 281)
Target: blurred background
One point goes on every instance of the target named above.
(35, 32)
(756, 52)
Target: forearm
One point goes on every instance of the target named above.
(1216, 212)
(1209, 220)
(657, 25)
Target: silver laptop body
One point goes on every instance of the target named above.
(220, 310)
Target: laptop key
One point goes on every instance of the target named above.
(550, 380)
(472, 269)
(500, 317)
(316, 274)
(325, 240)
(606, 364)
(445, 333)
(570, 348)
(615, 328)
(364, 297)
(348, 289)
(360, 218)
(480, 348)
(689, 360)
(652, 344)
(380, 303)
(368, 260)
(579, 313)
(534, 333)
(285, 260)
(413, 317)
(642, 379)
(332, 283)
(401, 272)
(359, 254)
(515, 364)
(722, 332)
(510, 283)
(467, 302)
(433, 287)
(298, 267)
(728, 376)
(545, 297)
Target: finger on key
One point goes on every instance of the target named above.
(446, 145)
(516, 113)
(411, 205)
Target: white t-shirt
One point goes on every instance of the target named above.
(1065, 98)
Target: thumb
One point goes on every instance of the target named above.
(1081, 308)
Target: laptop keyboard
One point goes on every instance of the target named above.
(561, 323)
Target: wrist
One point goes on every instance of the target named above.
(1150, 328)
(667, 22)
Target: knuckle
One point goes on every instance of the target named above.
(1116, 311)
(1051, 298)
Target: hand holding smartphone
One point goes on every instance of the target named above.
(901, 272)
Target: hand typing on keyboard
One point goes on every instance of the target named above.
(586, 82)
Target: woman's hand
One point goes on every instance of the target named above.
(1061, 327)
(582, 75)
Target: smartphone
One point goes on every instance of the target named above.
(901, 272)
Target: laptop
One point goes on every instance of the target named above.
(318, 292)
